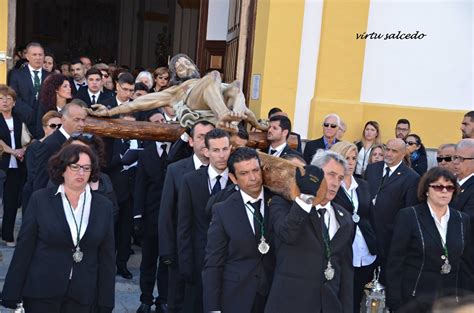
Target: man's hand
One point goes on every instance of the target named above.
(168, 259)
(310, 182)
(98, 110)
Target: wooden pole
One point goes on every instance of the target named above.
(243, 35)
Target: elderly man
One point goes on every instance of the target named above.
(330, 127)
(463, 162)
(444, 156)
(467, 125)
(393, 186)
(313, 244)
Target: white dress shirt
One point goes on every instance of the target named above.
(32, 73)
(249, 209)
(11, 128)
(362, 160)
(197, 162)
(64, 132)
(212, 173)
(93, 94)
(278, 149)
(160, 150)
(329, 218)
(392, 169)
(441, 225)
(361, 255)
(465, 179)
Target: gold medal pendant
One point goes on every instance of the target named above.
(446, 267)
(263, 246)
(329, 271)
(77, 255)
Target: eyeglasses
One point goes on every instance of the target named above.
(76, 167)
(126, 89)
(410, 143)
(445, 159)
(440, 188)
(163, 77)
(460, 158)
(6, 98)
(402, 129)
(52, 125)
(330, 125)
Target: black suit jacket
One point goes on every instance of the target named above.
(234, 270)
(5, 136)
(74, 90)
(298, 282)
(311, 148)
(50, 146)
(42, 260)
(193, 222)
(83, 94)
(397, 192)
(464, 202)
(168, 215)
(365, 212)
(151, 172)
(26, 103)
(412, 253)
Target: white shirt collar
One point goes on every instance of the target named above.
(392, 168)
(353, 185)
(465, 179)
(160, 150)
(213, 173)
(64, 132)
(62, 191)
(246, 197)
(445, 217)
(169, 118)
(197, 162)
(120, 102)
(279, 149)
(32, 71)
(95, 94)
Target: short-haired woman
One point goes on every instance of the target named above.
(65, 260)
(430, 253)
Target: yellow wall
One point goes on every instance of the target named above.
(276, 54)
(3, 37)
(339, 72)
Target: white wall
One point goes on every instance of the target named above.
(436, 71)
(218, 15)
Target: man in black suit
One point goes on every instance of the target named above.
(314, 270)
(93, 93)
(330, 126)
(393, 187)
(123, 169)
(168, 215)
(238, 268)
(193, 222)
(463, 162)
(151, 171)
(73, 120)
(278, 111)
(78, 79)
(278, 132)
(125, 88)
(26, 82)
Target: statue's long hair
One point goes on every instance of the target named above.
(174, 79)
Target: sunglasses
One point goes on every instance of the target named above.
(76, 167)
(105, 75)
(460, 158)
(440, 188)
(163, 77)
(87, 136)
(411, 143)
(330, 125)
(445, 159)
(52, 125)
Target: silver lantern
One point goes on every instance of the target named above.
(374, 296)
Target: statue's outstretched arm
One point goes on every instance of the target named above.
(144, 103)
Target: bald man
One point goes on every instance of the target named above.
(393, 187)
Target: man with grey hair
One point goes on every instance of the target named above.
(463, 162)
(73, 120)
(393, 186)
(444, 156)
(313, 243)
(331, 124)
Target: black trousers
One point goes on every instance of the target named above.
(362, 275)
(55, 305)
(176, 288)
(11, 201)
(123, 232)
(152, 272)
(259, 303)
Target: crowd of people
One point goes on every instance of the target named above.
(213, 237)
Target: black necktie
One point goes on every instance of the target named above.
(93, 99)
(273, 151)
(217, 186)
(164, 154)
(125, 146)
(257, 219)
(386, 176)
(324, 228)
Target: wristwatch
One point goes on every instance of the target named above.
(308, 199)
